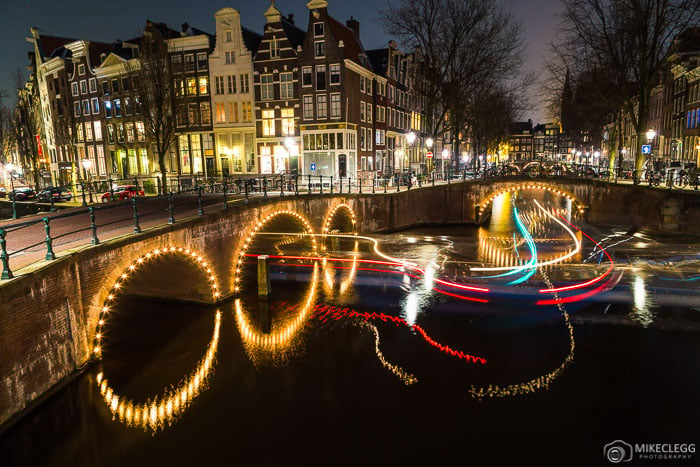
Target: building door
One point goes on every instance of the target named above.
(342, 165)
(211, 167)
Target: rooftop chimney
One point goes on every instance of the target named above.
(290, 18)
(353, 24)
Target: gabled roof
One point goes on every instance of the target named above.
(379, 58)
(50, 44)
(519, 128)
(353, 47)
(251, 40)
(295, 35)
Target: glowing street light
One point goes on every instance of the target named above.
(429, 143)
(87, 164)
(411, 138)
(651, 134)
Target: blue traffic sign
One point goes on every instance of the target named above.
(313, 167)
(646, 148)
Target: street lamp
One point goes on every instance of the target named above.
(410, 139)
(87, 164)
(429, 144)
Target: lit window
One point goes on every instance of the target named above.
(233, 112)
(220, 113)
(140, 131)
(117, 108)
(98, 130)
(108, 109)
(268, 117)
(247, 111)
(205, 112)
(192, 86)
(203, 85)
(288, 122)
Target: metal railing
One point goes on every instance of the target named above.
(122, 213)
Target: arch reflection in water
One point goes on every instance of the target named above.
(282, 334)
(162, 410)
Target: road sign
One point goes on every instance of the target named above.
(646, 148)
(429, 155)
(313, 167)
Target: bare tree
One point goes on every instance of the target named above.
(631, 40)
(5, 128)
(26, 125)
(154, 78)
(464, 46)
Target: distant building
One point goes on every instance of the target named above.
(521, 141)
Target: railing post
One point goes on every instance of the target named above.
(308, 187)
(264, 183)
(50, 256)
(448, 177)
(281, 186)
(433, 175)
(93, 226)
(200, 211)
(398, 184)
(341, 185)
(321, 183)
(245, 189)
(4, 257)
(82, 190)
(296, 184)
(373, 184)
(331, 184)
(111, 190)
(135, 206)
(225, 194)
(420, 178)
(385, 183)
(171, 219)
(359, 180)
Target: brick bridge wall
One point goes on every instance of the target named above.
(48, 317)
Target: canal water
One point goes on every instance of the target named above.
(434, 345)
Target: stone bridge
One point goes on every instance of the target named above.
(50, 316)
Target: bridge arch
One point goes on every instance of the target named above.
(488, 199)
(248, 240)
(197, 259)
(328, 223)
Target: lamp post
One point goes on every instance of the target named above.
(429, 144)
(87, 164)
(410, 139)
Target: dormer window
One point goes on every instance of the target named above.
(318, 29)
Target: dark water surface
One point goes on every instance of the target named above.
(344, 386)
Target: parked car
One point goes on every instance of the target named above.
(58, 194)
(123, 192)
(22, 194)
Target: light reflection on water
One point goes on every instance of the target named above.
(388, 339)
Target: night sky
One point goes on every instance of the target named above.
(102, 20)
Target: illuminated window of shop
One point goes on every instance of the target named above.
(268, 117)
